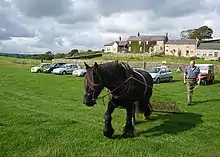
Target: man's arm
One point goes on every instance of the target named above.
(184, 75)
(199, 76)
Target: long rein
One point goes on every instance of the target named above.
(131, 77)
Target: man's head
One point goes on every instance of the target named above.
(192, 63)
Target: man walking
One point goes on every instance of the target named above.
(191, 73)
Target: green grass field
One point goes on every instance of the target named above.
(43, 115)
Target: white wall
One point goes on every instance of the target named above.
(208, 53)
(112, 49)
(174, 49)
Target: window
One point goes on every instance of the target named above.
(140, 49)
(216, 54)
(174, 50)
(191, 52)
(139, 42)
(157, 48)
(129, 49)
(187, 52)
(168, 70)
(108, 48)
(166, 50)
(210, 54)
(163, 70)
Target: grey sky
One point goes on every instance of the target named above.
(61, 25)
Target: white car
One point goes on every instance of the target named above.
(66, 69)
(79, 72)
(161, 74)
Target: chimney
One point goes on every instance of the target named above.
(138, 34)
(119, 38)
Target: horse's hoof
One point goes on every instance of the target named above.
(108, 133)
(128, 133)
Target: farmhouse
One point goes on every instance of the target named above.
(181, 47)
(147, 44)
(116, 47)
(209, 51)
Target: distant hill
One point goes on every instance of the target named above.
(17, 55)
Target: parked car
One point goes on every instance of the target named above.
(39, 68)
(79, 72)
(66, 69)
(50, 67)
(207, 73)
(161, 74)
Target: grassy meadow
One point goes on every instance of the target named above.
(42, 115)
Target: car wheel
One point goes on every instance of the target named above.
(83, 74)
(64, 73)
(158, 80)
(170, 79)
(205, 82)
(38, 71)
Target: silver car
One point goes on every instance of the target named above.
(161, 74)
(66, 69)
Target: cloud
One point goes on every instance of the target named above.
(61, 25)
(42, 8)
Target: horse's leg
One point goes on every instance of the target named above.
(129, 128)
(108, 129)
(134, 113)
(147, 108)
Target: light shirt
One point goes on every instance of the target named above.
(192, 73)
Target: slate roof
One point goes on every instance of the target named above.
(147, 38)
(110, 44)
(182, 42)
(210, 46)
(120, 43)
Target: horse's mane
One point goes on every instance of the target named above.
(109, 65)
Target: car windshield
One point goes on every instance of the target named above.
(154, 70)
(203, 68)
(39, 65)
(63, 66)
(51, 65)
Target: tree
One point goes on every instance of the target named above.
(203, 32)
(73, 52)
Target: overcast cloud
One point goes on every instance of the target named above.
(61, 25)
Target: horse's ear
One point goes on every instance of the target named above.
(96, 65)
(87, 66)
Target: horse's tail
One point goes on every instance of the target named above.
(144, 107)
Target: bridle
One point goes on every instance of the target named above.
(91, 84)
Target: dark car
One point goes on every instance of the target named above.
(50, 68)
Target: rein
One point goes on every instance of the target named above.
(174, 93)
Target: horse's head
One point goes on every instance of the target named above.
(93, 84)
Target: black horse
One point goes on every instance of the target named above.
(129, 89)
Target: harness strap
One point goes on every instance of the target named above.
(145, 82)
